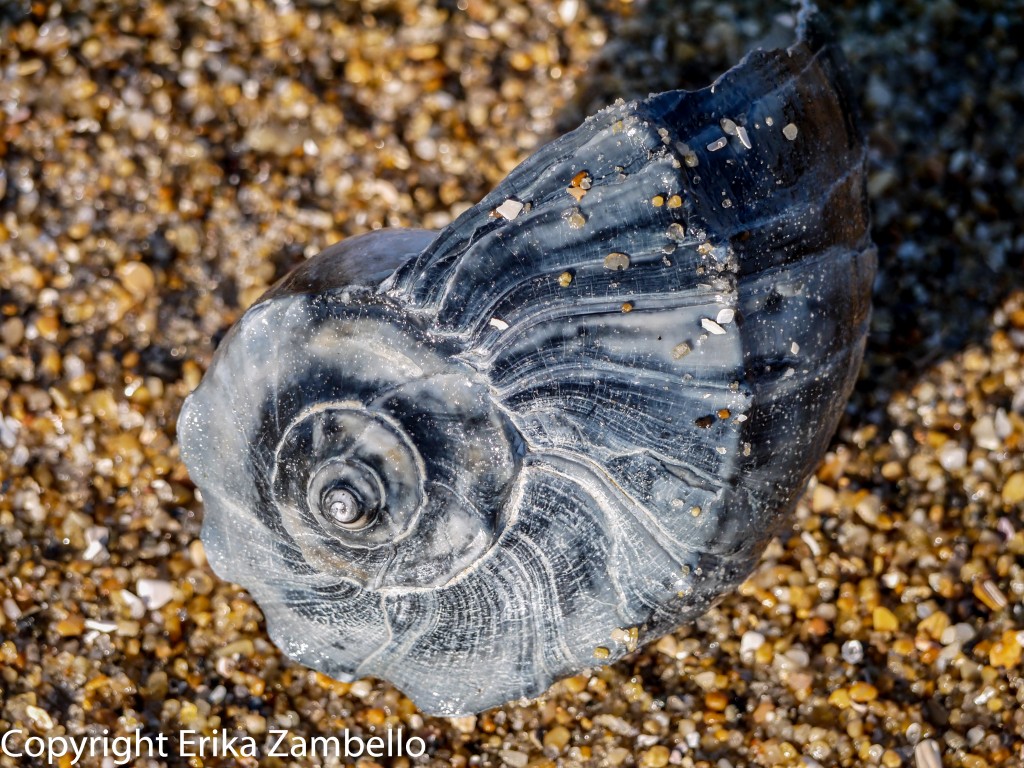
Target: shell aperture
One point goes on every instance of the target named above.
(474, 461)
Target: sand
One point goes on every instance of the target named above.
(161, 167)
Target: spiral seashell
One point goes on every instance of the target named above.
(475, 461)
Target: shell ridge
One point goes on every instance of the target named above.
(551, 585)
(543, 675)
(510, 387)
(379, 663)
(803, 211)
(368, 665)
(732, 87)
(648, 332)
(539, 468)
(465, 502)
(655, 416)
(382, 396)
(773, 275)
(694, 477)
(619, 448)
(488, 243)
(642, 513)
(518, 239)
(514, 504)
(528, 184)
(596, 307)
(451, 243)
(619, 513)
(723, 384)
(562, 463)
(447, 625)
(827, 386)
(321, 644)
(806, 210)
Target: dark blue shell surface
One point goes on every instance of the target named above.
(475, 461)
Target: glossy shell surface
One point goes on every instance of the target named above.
(475, 461)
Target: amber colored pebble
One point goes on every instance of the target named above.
(862, 692)
(716, 701)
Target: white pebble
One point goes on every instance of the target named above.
(812, 545)
(750, 642)
(567, 10)
(136, 608)
(39, 717)
(913, 732)
(615, 724)
(957, 633)
(975, 735)
(853, 652)
(952, 457)
(9, 427)
(797, 658)
(154, 593)
(95, 541)
(11, 609)
(100, 626)
(927, 754)
(514, 758)
(705, 680)
(984, 434)
(1003, 426)
(361, 688)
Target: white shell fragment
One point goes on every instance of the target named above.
(473, 462)
(711, 326)
(510, 209)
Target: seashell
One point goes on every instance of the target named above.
(475, 461)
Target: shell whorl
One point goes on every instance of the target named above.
(372, 456)
(475, 461)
